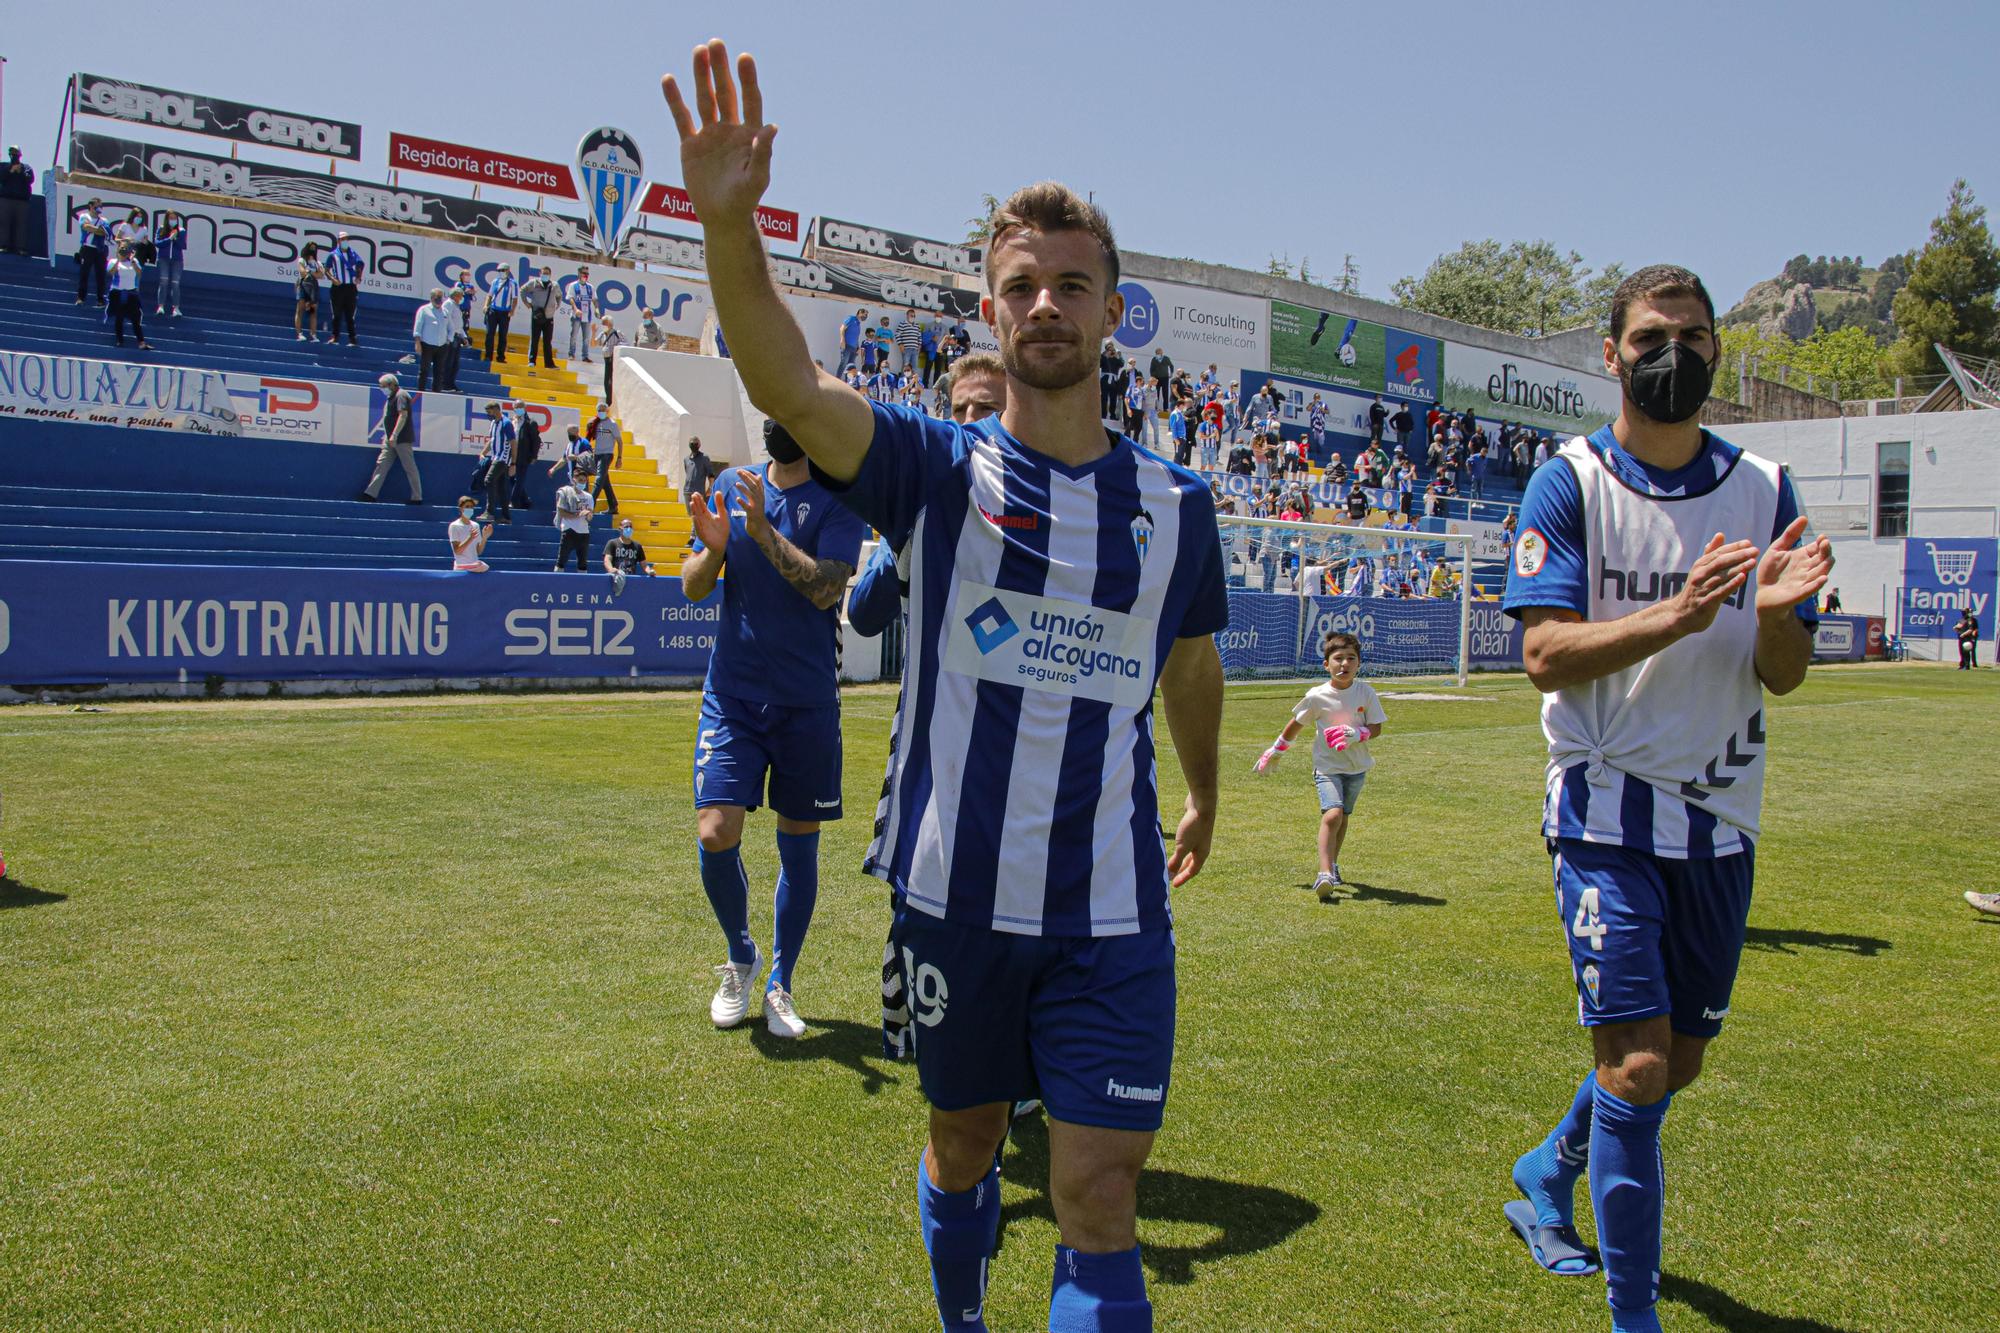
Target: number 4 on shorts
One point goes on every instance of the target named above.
(1588, 924)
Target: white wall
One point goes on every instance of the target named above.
(667, 398)
(1954, 489)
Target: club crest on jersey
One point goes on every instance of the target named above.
(1591, 981)
(1531, 551)
(804, 509)
(1142, 534)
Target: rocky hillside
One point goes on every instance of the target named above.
(1812, 294)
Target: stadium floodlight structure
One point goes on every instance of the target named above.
(1290, 583)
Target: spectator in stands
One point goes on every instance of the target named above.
(651, 335)
(17, 191)
(542, 297)
(459, 304)
(697, 470)
(1177, 431)
(499, 460)
(850, 340)
(573, 518)
(930, 356)
(1357, 503)
(607, 444)
(501, 293)
(1160, 369)
(305, 309)
(1336, 469)
(624, 556)
(468, 539)
(1832, 598)
(1433, 500)
(171, 243)
(581, 303)
(397, 430)
(1475, 467)
(1967, 630)
(1109, 395)
(124, 272)
(434, 337)
(527, 452)
(609, 340)
(93, 248)
(344, 267)
(1507, 526)
(909, 343)
(1402, 423)
(1378, 417)
(1544, 452)
(137, 230)
(575, 456)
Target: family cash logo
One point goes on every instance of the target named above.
(612, 177)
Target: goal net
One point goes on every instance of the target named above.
(1291, 583)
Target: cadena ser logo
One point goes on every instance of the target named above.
(1052, 645)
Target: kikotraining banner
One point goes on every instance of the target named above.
(115, 393)
(897, 247)
(1529, 392)
(130, 160)
(143, 104)
(71, 623)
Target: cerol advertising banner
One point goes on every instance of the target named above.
(1526, 391)
(1195, 325)
(897, 247)
(1944, 577)
(1346, 352)
(144, 104)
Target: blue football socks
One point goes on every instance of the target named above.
(1099, 1293)
(1628, 1191)
(798, 891)
(729, 894)
(1547, 1174)
(959, 1234)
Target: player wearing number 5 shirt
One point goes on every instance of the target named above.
(1664, 587)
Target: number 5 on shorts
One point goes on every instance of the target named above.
(1588, 924)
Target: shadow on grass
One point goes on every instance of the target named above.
(852, 1045)
(1790, 941)
(1732, 1315)
(1246, 1218)
(13, 893)
(1375, 893)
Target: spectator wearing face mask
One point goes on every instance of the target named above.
(501, 294)
(606, 442)
(573, 519)
(17, 193)
(397, 431)
(651, 335)
(460, 305)
(581, 302)
(499, 460)
(609, 340)
(527, 452)
(468, 539)
(624, 556)
(93, 249)
(171, 243)
(433, 334)
(124, 273)
(305, 310)
(344, 268)
(697, 470)
(543, 298)
(575, 459)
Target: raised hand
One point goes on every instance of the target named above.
(726, 158)
(750, 490)
(1718, 572)
(1789, 573)
(711, 526)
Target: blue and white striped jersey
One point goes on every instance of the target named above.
(1044, 599)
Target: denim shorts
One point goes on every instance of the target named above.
(1339, 790)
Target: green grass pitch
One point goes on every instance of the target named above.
(392, 1014)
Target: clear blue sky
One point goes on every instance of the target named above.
(1726, 137)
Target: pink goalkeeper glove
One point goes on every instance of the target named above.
(1342, 737)
(1272, 755)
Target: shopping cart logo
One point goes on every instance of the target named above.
(1953, 568)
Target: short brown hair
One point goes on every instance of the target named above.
(1338, 639)
(1652, 281)
(975, 363)
(1048, 206)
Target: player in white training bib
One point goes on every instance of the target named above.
(1664, 588)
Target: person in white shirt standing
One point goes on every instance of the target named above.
(1345, 714)
(573, 506)
(434, 338)
(581, 302)
(124, 271)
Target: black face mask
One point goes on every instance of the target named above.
(1669, 383)
(778, 443)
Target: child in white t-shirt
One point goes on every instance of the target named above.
(1345, 715)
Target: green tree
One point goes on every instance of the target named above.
(1842, 363)
(1949, 296)
(1527, 287)
(979, 229)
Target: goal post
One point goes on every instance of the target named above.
(1292, 582)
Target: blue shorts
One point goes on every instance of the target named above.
(1651, 935)
(1339, 790)
(738, 740)
(1085, 1024)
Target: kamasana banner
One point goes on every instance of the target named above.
(143, 104)
(1945, 576)
(1195, 326)
(74, 623)
(1346, 352)
(1527, 392)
